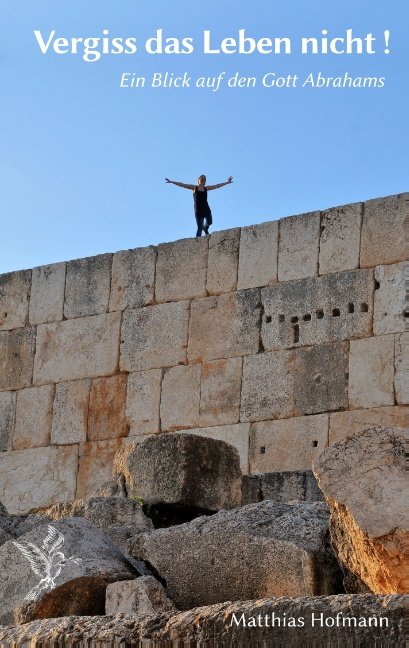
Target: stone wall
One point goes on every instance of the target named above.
(280, 338)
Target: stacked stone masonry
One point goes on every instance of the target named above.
(279, 338)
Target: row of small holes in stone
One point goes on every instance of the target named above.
(336, 312)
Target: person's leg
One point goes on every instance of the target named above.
(199, 221)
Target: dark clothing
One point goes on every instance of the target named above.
(202, 211)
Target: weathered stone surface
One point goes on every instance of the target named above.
(272, 549)
(224, 326)
(371, 372)
(14, 296)
(318, 310)
(282, 384)
(258, 255)
(37, 477)
(96, 459)
(183, 469)
(383, 231)
(154, 337)
(223, 261)
(118, 517)
(143, 401)
(142, 596)
(106, 417)
(389, 302)
(34, 414)
(181, 270)
(298, 246)
(402, 368)
(7, 419)
(345, 424)
(376, 620)
(282, 487)
(47, 294)
(82, 348)
(133, 278)
(179, 406)
(235, 435)
(87, 286)
(220, 392)
(365, 483)
(340, 237)
(289, 444)
(16, 358)
(77, 563)
(70, 412)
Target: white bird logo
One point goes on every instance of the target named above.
(46, 562)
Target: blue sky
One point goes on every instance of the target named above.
(83, 161)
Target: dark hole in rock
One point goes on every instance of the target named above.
(315, 444)
(377, 284)
(351, 307)
(307, 317)
(268, 319)
(263, 450)
(167, 515)
(296, 330)
(336, 312)
(364, 307)
(294, 319)
(319, 313)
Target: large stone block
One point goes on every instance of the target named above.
(96, 459)
(220, 392)
(133, 278)
(298, 246)
(255, 551)
(318, 310)
(389, 301)
(340, 238)
(87, 286)
(258, 255)
(82, 348)
(180, 399)
(142, 596)
(70, 412)
(223, 261)
(235, 435)
(283, 384)
(143, 401)
(7, 419)
(14, 297)
(183, 470)
(282, 487)
(224, 326)
(402, 368)
(383, 230)
(290, 444)
(154, 337)
(106, 416)
(47, 294)
(345, 424)
(37, 477)
(16, 358)
(34, 414)
(371, 372)
(181, 270)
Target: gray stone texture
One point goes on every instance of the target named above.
(383, 231)
(70, 412)
(235, 435)
(16, 358)
(106, 414)
(143, 401)
(81, 348)
(180, 399)
(282, 487)
(37, 477)
(402, 369)
(389, 301)
(181, 270)
(223, 259)
(96, 459)
(340, 238)
(258, 255)
(154, 337)
(371, 372)
(220, 392)
(142, 596)
(224, 326)
(87, 286)
(47, 294)
(345, 424)
(7, 418)
(34, 414)
(133, 278)
(271, 549)
(318, 310)
(14, 298)
(298, 246)
(181, 469)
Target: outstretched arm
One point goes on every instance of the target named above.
(221, 184)
(180, 184)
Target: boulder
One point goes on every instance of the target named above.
(364, 481)
(58, 569)
(181, 470)
(142, 596)
(259, 550)
(281, 486)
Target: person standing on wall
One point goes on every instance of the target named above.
(203, 212)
